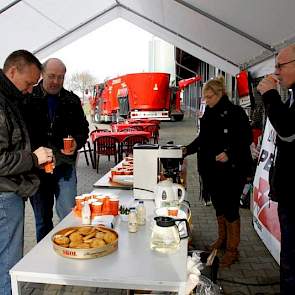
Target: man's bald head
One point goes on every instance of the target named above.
(53, 73)
(53, 62)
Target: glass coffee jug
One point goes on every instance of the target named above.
(166, 236)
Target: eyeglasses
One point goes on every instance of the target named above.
(278, 66)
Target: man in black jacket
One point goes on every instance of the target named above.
(53, 113)
(282, 117)
(17, 181)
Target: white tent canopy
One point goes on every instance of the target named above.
(229, 34)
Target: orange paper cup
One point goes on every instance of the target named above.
(100, 199)
(106, 209)
(79, 200)
(172, 211)
(92, 200)
(96, 208)
(48, 167)
(68, 144)
(87, 197)
(114, 204)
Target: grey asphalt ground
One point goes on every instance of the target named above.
(256, 272)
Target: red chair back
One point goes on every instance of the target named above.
(132, 128)
(106, 145)
(130, 141)
(95, 131)
(154, 130)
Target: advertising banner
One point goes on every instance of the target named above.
(265, 217)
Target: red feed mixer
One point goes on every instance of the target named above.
(139, 96)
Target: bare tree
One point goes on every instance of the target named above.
(80, 82)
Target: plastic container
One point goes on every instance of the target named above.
(86, 213)
(132, 221)
(141, 213)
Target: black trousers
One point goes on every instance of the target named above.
(225, 196)
(287, 264)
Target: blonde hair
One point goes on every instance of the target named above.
(217, 85)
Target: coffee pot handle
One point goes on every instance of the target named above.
(181, 188)
(186, 226)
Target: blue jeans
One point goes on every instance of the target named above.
(11, 236)
(287, 263)
(61, 185)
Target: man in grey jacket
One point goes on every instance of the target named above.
(17, 181)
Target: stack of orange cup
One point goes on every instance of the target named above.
(92, 200)
(99, 204)
(96, 208)
(106, 209)
(87, 196)
(114, 206)
(100, 199)
(79, 201)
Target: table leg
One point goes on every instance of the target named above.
(90, 154)
(120, 152)
(94, 155)
(15, 287)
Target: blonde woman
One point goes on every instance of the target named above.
(224, 162)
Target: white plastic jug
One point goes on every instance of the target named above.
(167, 192)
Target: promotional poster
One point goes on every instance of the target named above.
(265, 217)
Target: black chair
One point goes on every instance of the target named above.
(87, 149)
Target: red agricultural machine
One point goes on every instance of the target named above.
(139, 96)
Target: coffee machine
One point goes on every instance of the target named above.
(152, 163)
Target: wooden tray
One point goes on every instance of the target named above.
(79, 253)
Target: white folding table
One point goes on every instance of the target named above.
(132, 266)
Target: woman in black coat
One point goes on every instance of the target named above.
(224, 162)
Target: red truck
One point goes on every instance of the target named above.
(139, 96)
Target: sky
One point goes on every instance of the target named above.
(114, 49)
